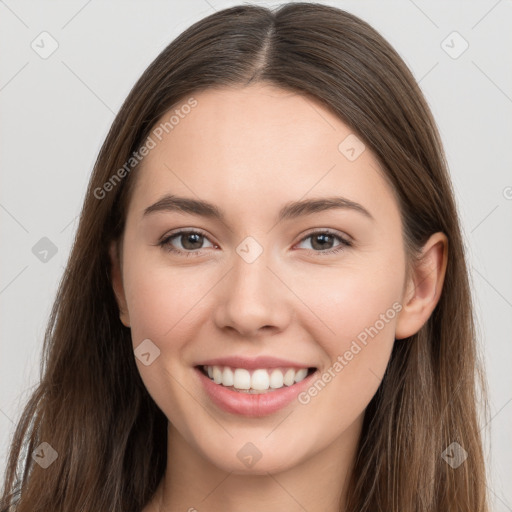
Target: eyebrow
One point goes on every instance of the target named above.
(291, 210)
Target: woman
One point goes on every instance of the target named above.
(267, 304)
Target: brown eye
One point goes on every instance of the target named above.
(322, 242)
(191, 242)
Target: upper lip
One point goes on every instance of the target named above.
(253, 363)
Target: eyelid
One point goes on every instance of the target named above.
(345, 240)
(341, 234)
(164, 241)
(179, 231)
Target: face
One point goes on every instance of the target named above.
(319, 287)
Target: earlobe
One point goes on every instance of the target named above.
(424, 287)
(117, 284)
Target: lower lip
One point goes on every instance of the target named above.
(252, 405)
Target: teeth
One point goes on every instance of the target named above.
(241, 379)
(259, 380)
(217, 375)
(289, 377)
(276, 379)
(301, 374)
(227, 376)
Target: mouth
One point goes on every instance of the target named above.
(255, 381)
(253, 386)
(256, 392)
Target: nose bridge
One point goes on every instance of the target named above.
(252, 295)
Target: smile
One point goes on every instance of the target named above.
(261, 380)
(253, 392)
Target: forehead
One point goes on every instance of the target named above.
(258, 145)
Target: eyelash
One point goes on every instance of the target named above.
(166, 245)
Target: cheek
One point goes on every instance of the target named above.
(347, 301)
(357, 356)
(164, 304)
(358, 311)
(359, 302)
(162, 299)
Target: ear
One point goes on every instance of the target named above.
(424, 287)
(117, 283)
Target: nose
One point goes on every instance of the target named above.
(253, 300)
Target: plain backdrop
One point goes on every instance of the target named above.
(65, 69)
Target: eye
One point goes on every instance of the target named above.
(190, 241)
(323, 240)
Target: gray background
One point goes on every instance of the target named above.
(56, 112)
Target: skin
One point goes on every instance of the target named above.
(250, 151)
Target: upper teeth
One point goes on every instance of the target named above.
(261, 379)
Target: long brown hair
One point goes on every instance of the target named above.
(91, 406)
